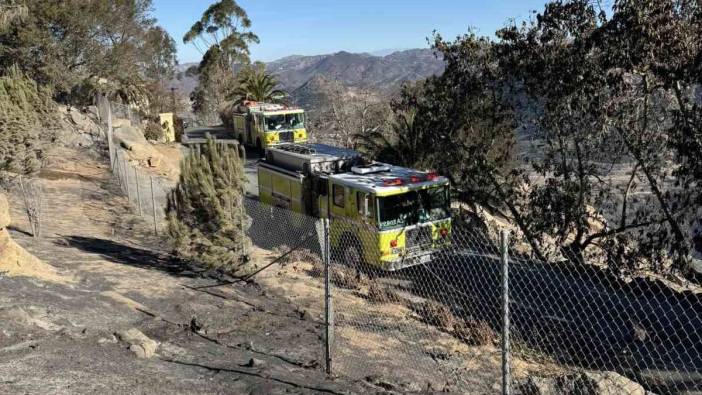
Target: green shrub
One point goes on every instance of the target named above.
(207, 222)
(153, 131)
(27, 118)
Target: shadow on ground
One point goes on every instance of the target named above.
(132, 256)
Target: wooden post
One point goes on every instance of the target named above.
(119, 168)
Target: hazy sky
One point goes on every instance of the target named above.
(310, 27)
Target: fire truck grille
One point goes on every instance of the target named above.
(418, 237)
(286, 136)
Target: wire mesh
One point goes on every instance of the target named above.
(576, 327)
(433, 324)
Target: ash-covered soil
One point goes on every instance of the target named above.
(67, 335)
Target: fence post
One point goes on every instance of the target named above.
(27, 206)
(110, 143)
(118, 170)
(153, 204)
(136, 180)
(126, 179)
(328, 311)
(506, 374)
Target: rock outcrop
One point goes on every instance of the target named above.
(585, 383)
(134, 142)
(79, 128)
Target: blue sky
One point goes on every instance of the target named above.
(310, 27)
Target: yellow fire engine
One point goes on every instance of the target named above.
(262, 125)
(384, 216)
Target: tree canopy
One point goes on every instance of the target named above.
(223, 37)
(76, 46)
(582, 127)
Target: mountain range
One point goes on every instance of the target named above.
(353, 70)
(357, 70)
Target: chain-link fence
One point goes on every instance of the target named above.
(467, 311)
(574, 327)
(146, 192)
(470, 312)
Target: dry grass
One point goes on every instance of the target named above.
(345, 277)
(474, 332)
(378, 294)
(469, 331)
(341, 276)
(33, 204)
(437, 314)
(300, 255)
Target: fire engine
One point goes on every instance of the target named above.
(262, 125)
(381, 215)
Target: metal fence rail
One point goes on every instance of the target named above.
(481, 316)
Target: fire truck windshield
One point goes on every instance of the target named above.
(278, 122)
(413, 207)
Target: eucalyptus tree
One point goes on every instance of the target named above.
(606, 93)
(223, 37)
(658, 44)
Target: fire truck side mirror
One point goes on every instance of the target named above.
(365, 206)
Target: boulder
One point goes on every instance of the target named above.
(79, 119)
(133, 140)
(154, 162)
(139, 343)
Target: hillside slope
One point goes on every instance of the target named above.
(129, 318)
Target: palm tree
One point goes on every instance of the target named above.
(402, 145)
(255, 84)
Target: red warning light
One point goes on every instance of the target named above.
(392, 182)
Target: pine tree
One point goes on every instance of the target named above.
(27, 122)
(206, 218)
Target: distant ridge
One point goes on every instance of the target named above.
(358, 69)
(363, 70)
